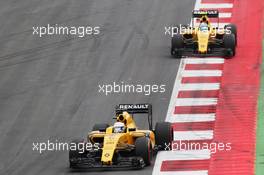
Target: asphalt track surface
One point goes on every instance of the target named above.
(49, 85)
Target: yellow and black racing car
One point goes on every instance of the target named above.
(204, 39)
(122, 145)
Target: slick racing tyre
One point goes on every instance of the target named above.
(163, 135)
(100, 127)
(230, 44)
(233, 29)
(176, 44)
(144, 149)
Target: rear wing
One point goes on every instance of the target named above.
(208, 13)
(136, 109)
(203, 13)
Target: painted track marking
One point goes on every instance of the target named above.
(203, 61)
(193, 135)
(195, 101)
(181, 118)
(189, 103)
(203, 172)
(215, 6)
(179, 155)
(225, 15)
(199, 86)
(201, 73)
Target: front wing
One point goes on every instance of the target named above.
(94, 163)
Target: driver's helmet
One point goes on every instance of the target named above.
(203, 27)
(119, 127)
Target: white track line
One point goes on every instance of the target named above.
(215, 5)
(201, 73)
(197, 4)
(193, 135)
(181, 118)
(221, 24)
(199, 86)
(202, 172)
(203, 154)
(195, 101)
(225, 15)
(175, 90)
(203, 60)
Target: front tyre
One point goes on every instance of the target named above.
(233, 30)
(163, 135)
(176, 44)
(144, 149)
(230, 44)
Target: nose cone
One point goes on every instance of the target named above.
(110, 143)
(203, 38)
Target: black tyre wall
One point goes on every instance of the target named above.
(163, 135)
(144, 149)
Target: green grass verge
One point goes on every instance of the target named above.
(260, 124)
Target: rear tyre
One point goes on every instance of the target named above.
(144, 149)
(163, 135)
(230, 44)
(233, 29)
(100, 127)
(176, 44)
